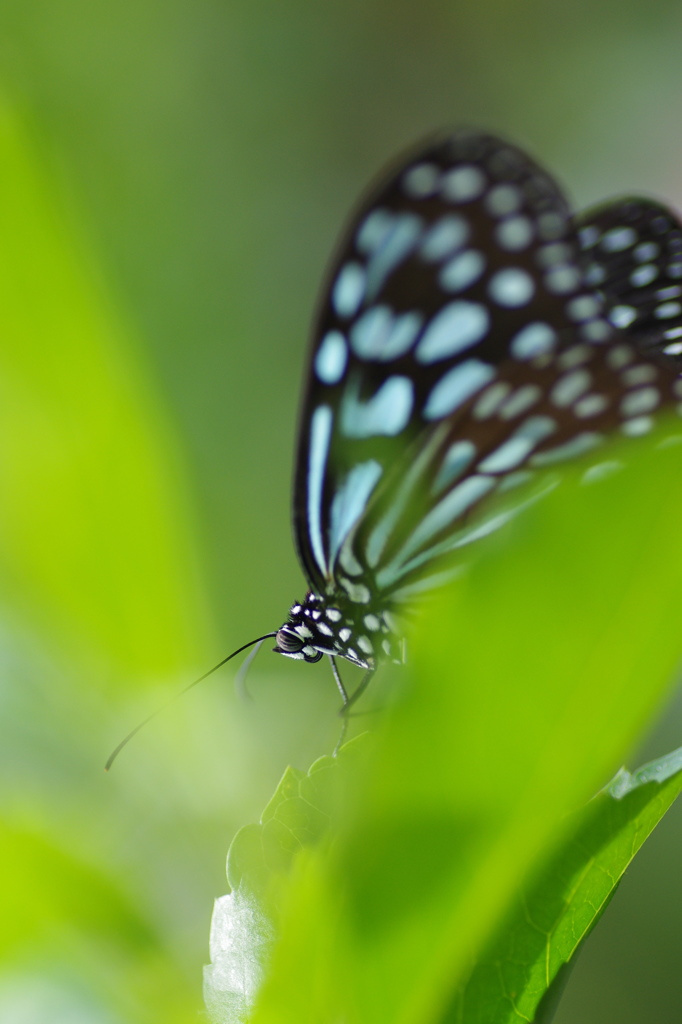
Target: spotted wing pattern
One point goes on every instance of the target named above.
(468, 334)
(632, 254)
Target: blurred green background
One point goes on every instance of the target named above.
(172, 179)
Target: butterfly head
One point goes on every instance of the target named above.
(293, 644)
(318, 626)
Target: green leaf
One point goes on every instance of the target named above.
(98, 588)
(243, 928)
(95, 546)
(527, 684)
(521, 969)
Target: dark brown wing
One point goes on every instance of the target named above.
(461, 339)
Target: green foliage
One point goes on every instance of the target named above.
(98, 586)
(93, 523)
(470, 789)
(518, 972)
(392, 895)
(300, 815)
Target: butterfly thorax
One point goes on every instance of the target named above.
(332, 625)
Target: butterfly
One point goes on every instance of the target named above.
(471, 331)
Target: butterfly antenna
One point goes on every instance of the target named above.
(126, 740)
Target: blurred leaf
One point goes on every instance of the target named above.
(50, 885)
(555, 916)
(94, 540)
(529, 680)
(98, 581)
(70, 921)
(242, 929)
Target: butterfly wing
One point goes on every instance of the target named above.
(632, 251)
(458, 340)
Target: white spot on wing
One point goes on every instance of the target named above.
(590, 405)
(458, 456)
(457, 326)
(503, 199)
(551, 225)
(320, 433)
(350, 501)
(673, 292)
(444, 237)
(462, 271)
(622, 316)
(642, 374)
(457, 386)
(583, 307)
(399, 241)
(380, 334)
(618, 239)
(521, 400)
(518, 447)
(597, 330)
(331, 358)
(574, 356)
(643, 275)
(421, 180)
(514, 233)
(533, 340)
(386, 413)
(638, 426)
(553, 253)
(667, 310)
(571, 386)
(491, 400)
(445, 512)
(463, 183)
(562, 279)
(642, 400)
(570, 450)
(454, 504)
(646, 251)
(511, 287)
(349, 290)
(589, 236)
(411, 480)
(374, 230)
(620, 355)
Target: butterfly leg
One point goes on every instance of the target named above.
(364, 683)
(348, 702)
(339, 682)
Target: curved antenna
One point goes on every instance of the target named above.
(124, 742)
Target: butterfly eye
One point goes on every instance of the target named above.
(289, 642)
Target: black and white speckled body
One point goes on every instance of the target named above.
(338, 627)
